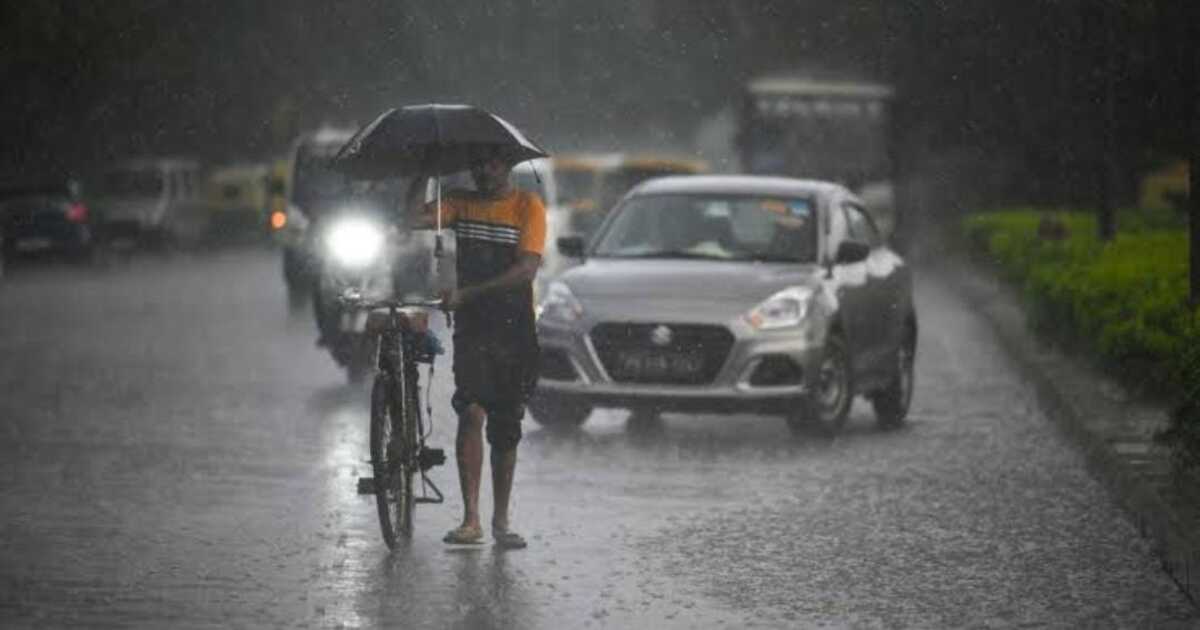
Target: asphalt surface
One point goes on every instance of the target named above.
(175, 452)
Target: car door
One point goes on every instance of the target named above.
(848, 283)
(879, 311)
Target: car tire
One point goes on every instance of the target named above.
(554, 412)
(891, 403)
(824, 411)
(298, 291)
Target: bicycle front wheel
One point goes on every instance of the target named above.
(393, 456)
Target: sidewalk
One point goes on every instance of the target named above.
(1114, 430)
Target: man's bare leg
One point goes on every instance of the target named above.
(504, 463)
(469, 453)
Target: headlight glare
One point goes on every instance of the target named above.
(355, 243)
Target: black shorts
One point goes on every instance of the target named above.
(499, 375)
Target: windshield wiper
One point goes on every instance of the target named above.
(773, 258)
(668, 254)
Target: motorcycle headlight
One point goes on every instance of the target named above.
(355, 243)
(560, 304)
(785, 309)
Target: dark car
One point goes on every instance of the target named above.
(46, 218)
(725, 294)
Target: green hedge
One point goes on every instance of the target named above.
(1125, 301)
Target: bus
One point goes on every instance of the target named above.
(799, 127)
(836, 130)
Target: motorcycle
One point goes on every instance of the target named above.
(356, 252)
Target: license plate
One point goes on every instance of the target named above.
(34, 244)
(660, 364)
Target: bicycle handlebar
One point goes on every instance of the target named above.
(354, 299)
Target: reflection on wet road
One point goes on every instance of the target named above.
(176, 452)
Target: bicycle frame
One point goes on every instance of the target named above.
(401, 331)
(398, 357)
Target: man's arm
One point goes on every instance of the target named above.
(519, 274)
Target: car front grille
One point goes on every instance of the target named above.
(675, 354)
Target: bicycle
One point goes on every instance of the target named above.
(398, 430)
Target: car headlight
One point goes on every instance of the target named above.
(560, 304)
(355, 243)
(785, 309)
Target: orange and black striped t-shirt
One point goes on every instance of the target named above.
(490, 233)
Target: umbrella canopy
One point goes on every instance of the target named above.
(431, 140)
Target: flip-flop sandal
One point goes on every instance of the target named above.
(464, 535)
(507, 539)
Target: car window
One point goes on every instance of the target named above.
(838, 229)
(861, 228)
(133, 182)
(720, 227)
(34, 204)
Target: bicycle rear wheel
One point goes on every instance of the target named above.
(393, 455)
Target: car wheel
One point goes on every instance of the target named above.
(555, 412)
(891, 403)
(824, 411)
(298, 291)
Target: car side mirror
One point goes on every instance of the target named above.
(850, 252)
(571, 246)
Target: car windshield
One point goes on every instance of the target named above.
(719, 227)
(315, 180)
(140, 182)
(34, 203)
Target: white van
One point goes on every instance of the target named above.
(155, 198)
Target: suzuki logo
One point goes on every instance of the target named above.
(661, 336)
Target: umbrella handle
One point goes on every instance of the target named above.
(437, 241)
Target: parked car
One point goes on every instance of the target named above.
(46, 218)
(153, 200)
(730, 293)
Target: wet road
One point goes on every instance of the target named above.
(174, 451)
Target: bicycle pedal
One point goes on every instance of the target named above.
(366, 485)
(431, 457)
(428, 500)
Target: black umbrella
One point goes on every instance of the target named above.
(431, 140)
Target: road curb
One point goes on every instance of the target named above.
(1114, 432)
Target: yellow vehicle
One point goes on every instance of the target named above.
(239, 197)
(635, 169)
(1166, 187)
(579, 176)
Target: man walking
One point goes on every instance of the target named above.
(500, 234)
